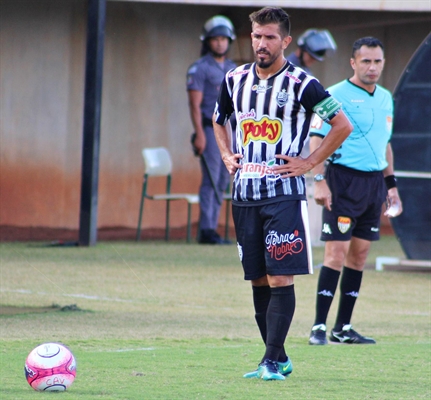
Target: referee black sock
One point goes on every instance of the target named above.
(326, 287)
(278, 318)
(349, 291)
(261, 298)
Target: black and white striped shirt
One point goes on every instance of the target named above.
(273, 117)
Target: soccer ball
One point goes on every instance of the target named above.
(50, 367)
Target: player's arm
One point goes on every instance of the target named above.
(296, 166)
(195, 101)
(222, 130)
(322, 193)
(395, 206)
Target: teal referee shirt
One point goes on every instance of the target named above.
(371, 116)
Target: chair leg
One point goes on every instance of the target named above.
(189, 217)
(141, 210)
(168, 206)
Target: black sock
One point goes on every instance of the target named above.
(278, 318)
(349, 291)
(326, 286)
(261, 298)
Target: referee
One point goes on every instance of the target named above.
(273, 102)
(358, 179)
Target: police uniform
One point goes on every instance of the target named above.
(206, 75)
(273, 117)
(354, 172)
(294, 59)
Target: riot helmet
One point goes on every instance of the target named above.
(317, 43)
(218, 26)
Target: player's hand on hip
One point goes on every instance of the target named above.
(232, 162)
(322, 194)
(293, 166)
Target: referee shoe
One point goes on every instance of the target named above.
(349, 336)
(318, 335)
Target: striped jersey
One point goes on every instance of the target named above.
(273, 117)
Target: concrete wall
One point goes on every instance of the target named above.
(148, 49)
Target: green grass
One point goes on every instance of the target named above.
(175, 321)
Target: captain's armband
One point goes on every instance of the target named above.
(327, 108)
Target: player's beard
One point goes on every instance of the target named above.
(264, 63)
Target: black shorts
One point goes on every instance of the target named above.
(273, 239)
(357, 199)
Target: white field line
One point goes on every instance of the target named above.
(74, 295)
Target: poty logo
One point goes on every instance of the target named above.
(279, 246)
(266, 130)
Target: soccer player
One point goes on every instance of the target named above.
(203, 85)
(273, 102)
(353, 189)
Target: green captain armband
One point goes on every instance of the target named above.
(327, 108)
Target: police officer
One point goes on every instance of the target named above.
(203, 83)
(313, 45)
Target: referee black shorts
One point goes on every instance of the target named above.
(273, 239)
(357, 199)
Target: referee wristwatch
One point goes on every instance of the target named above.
(318, 177)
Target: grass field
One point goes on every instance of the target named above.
(157, 320)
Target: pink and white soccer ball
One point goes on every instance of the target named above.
(50, 367)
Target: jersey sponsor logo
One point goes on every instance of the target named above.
(282, 245)
(234, 73)
(266, 130)
(317, 122)
(260, 88)
(282, 98)
(344, 224)
(327, 107)
(258, 171)
(289, 75)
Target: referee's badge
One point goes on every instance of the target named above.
(344, 224)
(282, 98)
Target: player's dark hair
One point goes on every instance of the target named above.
(368, 41)
(272, 15)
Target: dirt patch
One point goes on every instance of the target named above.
(14, 310)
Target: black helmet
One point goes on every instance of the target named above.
(218, 26)
(317, 42)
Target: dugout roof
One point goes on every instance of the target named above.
(374, 5)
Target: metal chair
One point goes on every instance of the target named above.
(158, 163)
